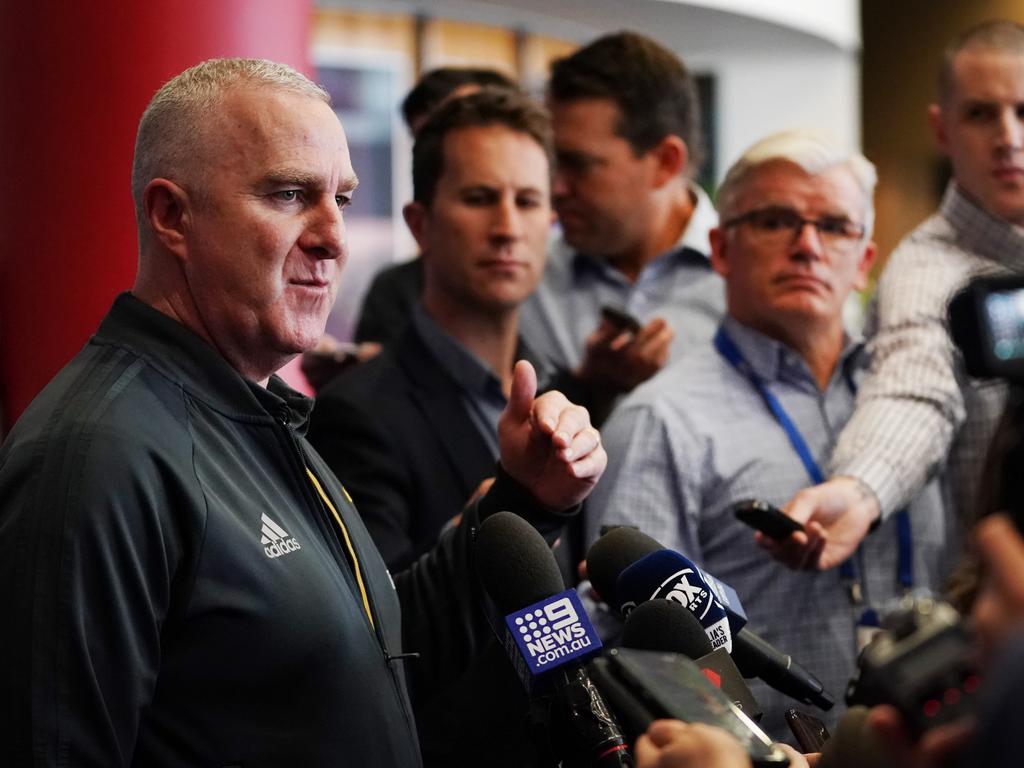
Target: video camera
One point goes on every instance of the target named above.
(923, 662)
(986, 321)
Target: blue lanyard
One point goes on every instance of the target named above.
(905, 563)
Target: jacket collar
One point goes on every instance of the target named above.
(182, 356)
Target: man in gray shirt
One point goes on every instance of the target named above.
(753, 412)
(634, 229)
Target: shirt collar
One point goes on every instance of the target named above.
(465, 368)
(468, 371)
(693, 243)
(770, 359)
(996, 238)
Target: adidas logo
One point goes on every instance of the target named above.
(275, 541)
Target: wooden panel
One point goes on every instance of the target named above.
(456, 43)
(360, 29)
(903, 44)
(537, 54)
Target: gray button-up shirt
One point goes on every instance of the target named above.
(699, 437)
(679, 286)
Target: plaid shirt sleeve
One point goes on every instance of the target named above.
(910, 405)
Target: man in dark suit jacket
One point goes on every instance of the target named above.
(412, 433)
(481, 216)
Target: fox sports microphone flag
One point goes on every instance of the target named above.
(675, 578)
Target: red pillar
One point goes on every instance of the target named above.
(74, 80)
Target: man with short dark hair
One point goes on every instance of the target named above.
(396, 289)
(634, 229)
(413, 433)
(918, 412)
(438, 85)
(186, 581)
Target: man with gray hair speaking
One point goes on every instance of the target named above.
(751, 415)
(184, 581)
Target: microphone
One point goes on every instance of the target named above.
(664, 625)
(623, 546)
(548, 636)
(627, 568)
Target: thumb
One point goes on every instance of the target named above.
(524, 390)
(802, 506)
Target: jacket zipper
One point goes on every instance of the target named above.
(284, 420)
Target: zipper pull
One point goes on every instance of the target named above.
(401, 656)
(284, 417)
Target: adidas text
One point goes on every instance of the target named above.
(282, 548)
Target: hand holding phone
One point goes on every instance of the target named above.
(620, 319)
(768, 519)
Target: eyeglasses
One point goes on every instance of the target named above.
(782, 226)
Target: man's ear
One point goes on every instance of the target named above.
(417, 219)
(719, 258)
(938, 127)
(166, 209)
(671, 158)
(867, 259)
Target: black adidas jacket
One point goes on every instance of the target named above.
(177, 593)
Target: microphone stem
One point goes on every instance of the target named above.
(592, 732)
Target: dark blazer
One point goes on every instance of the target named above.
(397, 434)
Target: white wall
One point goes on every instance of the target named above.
(766, 92)
(779, 63)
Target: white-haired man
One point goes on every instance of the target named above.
(752, 414)
(187, 582)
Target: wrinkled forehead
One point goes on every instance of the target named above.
(251, 129)
(262, 114)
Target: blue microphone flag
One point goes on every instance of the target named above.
(549, 634)
(675, 578)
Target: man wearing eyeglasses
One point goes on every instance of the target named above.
(751, 414)
(919, 413)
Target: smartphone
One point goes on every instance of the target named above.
(769, 520)
(810, 733)
(620, 318)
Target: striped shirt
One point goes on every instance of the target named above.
(918, 411)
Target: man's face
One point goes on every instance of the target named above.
(602, 188)
(786, 285)
(265, 237)
(981, 128)
(484, 236)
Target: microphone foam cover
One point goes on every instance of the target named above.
(514, 562)
(665, 625)
(613, 553)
